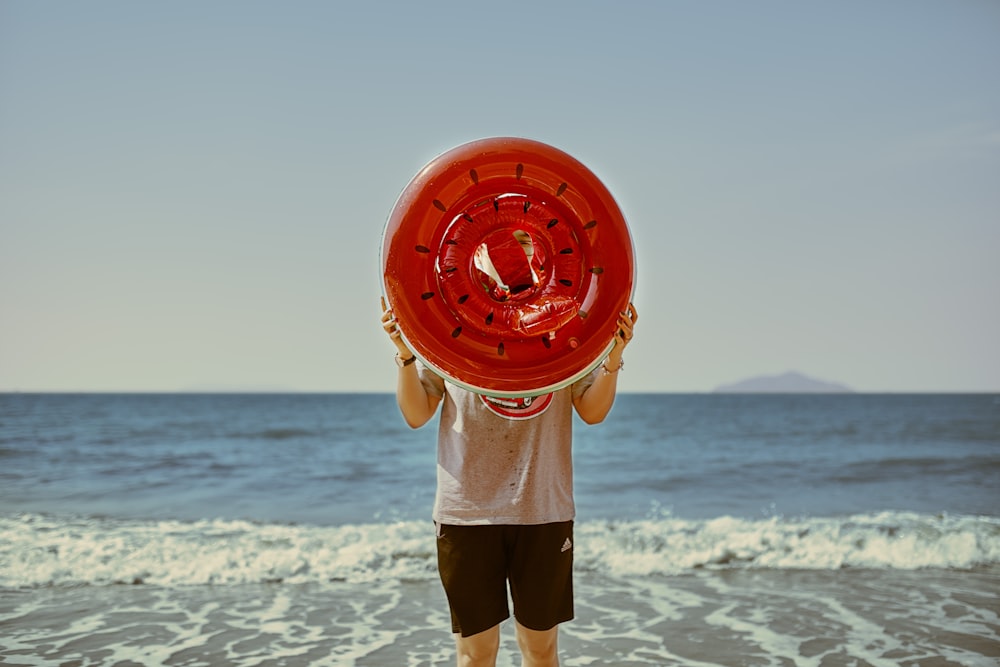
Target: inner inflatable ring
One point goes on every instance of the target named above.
(506, 262)
(555, 265)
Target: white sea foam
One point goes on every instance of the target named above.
(42, 550)
(900, 540)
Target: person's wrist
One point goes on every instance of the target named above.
(404, 359)
(610, 367)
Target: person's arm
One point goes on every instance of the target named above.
(595, 403)
(414, 402)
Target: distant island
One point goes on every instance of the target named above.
(786, 383)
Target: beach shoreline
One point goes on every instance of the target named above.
(723, 619)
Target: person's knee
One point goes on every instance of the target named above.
(478, 649)
(539, 647)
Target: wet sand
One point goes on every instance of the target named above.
(878, 618)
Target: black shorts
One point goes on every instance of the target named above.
(477, 562)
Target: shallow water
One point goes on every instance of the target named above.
(728, 618)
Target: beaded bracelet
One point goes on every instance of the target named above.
(621, 365)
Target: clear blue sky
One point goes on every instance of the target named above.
(192, 195)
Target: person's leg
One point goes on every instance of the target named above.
(473, 570)
(541, 575)
(539, 648)
(478, 650)
(541, 583)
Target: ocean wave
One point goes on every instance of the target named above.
(885, 540)
(274, 434)
(44, 550)
(866, 472)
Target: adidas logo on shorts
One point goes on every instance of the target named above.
(567, 545)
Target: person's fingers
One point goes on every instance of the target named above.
(625, 329)
(389, 325)
(633, 313)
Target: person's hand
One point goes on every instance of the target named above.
(623, 334)
(390, 327)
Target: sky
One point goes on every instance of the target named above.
(193, 195)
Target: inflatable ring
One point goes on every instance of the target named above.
(506, 263)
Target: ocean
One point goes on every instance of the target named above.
(294, 529)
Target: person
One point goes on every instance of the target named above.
(504, 506)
